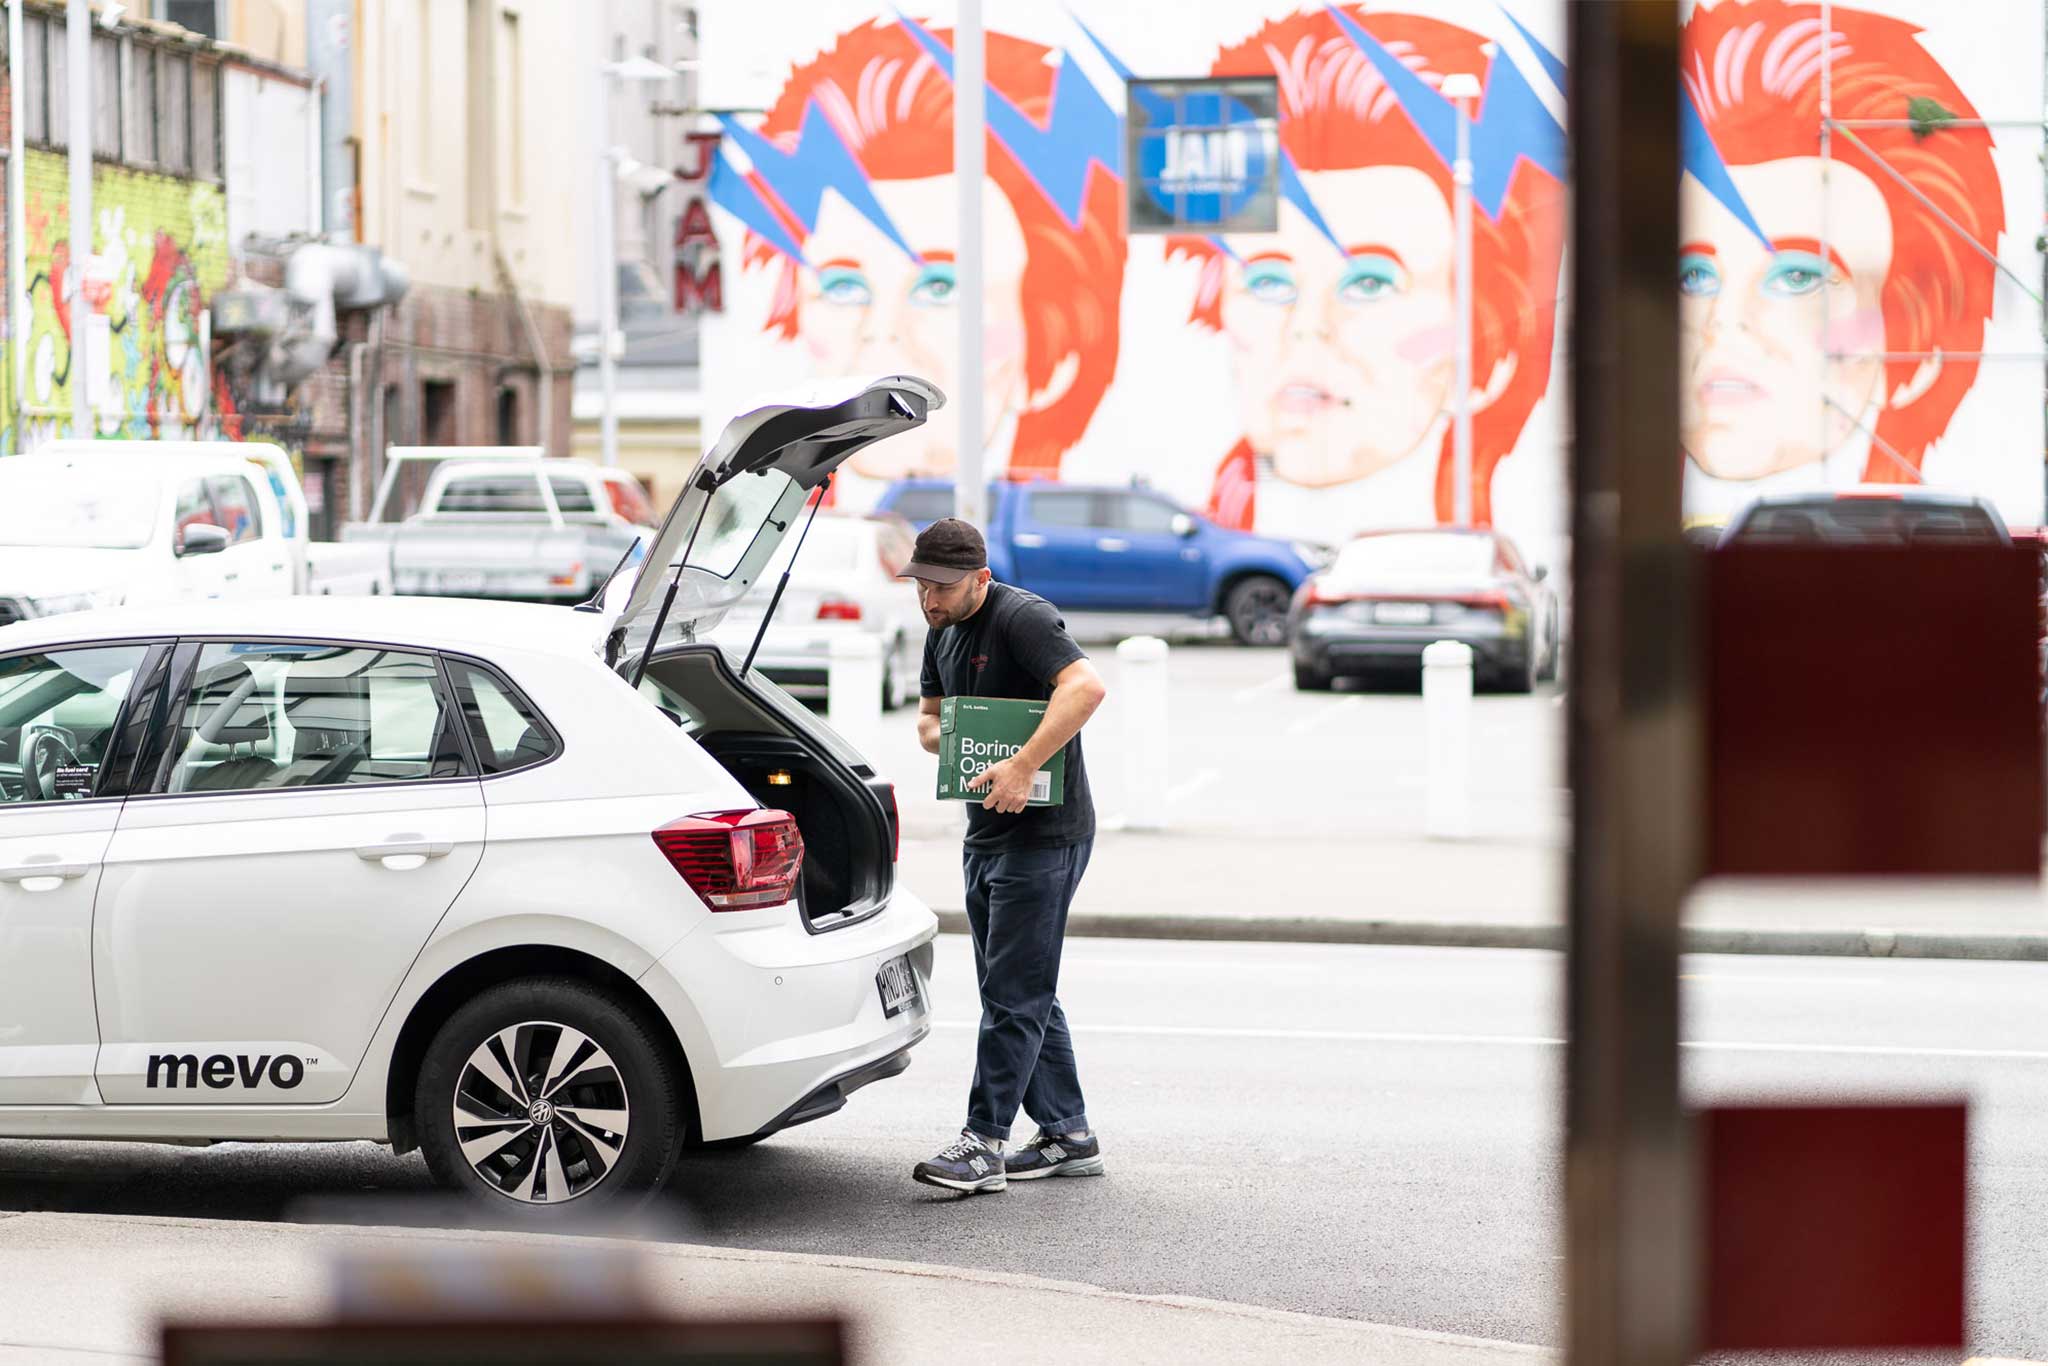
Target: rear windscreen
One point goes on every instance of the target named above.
(1871, 521)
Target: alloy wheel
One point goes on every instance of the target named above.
(541, 1113)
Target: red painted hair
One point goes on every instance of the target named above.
(894, 108)
(1336, 114)
(1754, 73)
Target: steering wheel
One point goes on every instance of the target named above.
(49, 751)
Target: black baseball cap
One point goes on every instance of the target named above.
(947, 551)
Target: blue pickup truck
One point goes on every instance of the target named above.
(1126, 552)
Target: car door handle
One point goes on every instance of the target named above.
(1113, 544)
(43, 875)
(1030, 540)
(404, 853)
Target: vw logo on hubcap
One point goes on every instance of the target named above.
(542, 1112)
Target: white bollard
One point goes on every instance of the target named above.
(1141, 707)
(853, 690)
(1447, 739)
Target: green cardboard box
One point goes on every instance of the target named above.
(975, 732)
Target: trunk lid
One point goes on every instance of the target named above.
(745, 495)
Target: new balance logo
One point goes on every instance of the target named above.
(979, 1165)
(1054, 1152)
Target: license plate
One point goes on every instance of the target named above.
(461, 583)
(898, 985)
(1401, 613)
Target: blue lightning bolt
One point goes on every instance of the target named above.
(1698, 155)
(730, 191)
(1081, 129)
(800, 178)
(1513, 124)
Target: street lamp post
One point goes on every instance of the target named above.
(610, 345)
(1460, 88)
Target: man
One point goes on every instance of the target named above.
(1022, 864)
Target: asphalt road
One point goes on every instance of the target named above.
(1370, 1133)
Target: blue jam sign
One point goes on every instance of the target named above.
(1205, 155)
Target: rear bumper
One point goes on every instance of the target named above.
(1357, 648)
(780, 1025)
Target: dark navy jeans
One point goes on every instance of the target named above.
(1017, 911)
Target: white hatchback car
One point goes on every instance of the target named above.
(497, 881)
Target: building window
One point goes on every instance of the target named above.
(106, 96)
(35, 85)
(437, 413)
(174, 112)
(206, 120)
(512, 109)
(508, 416)
(200, 16)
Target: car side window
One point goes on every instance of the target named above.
(1146, 516)
(1072, 507)
(506, 730)
(572, 495)
(57, 719)
(195, 507)
(236, 503)
(260, 716)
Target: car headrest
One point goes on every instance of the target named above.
(232, 712)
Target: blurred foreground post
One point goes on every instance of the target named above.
(970, 159)
(853, 690)
(1634, 711)
(1447, 739)
(1141, 688)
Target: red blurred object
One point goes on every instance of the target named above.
(1873, 710)
(838, 609)
(1833, 1226)
(736, 860)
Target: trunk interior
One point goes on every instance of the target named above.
(788, 759)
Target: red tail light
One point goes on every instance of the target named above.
(838, 609)
(736, 860)
(1497, 601)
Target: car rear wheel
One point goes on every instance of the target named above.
(546, 1095)
(892, 692)
(1257, 610)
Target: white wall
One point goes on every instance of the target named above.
(273, 174)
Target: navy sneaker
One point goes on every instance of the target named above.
(967, 1164)
(1056, 1155)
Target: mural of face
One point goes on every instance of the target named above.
(1758, 325)
(1344, 360)
(868, 308)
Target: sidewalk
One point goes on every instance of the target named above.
(1269, 885)
(93, 1288)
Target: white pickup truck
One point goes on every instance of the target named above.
(503, 522)
(100, 523)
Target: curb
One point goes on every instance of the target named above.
(1863, 943)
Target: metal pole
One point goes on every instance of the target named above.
(969, 477)
(78, 70)
(1827, 155)
(1461, 419)
(1634, 727)
(607, 277)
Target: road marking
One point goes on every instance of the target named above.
(1192, 785)
(1529, 1041)
(1273, 684)
(1322, 714)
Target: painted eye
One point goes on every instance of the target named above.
(1270, 282)
(846, 287)
(1698, 276)
(935, 285)
(1795, 273)
(1368, 278)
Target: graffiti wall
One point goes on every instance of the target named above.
(142, 345)
(1303, 381)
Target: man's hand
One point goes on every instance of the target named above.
(1008, 783)
(928, 724)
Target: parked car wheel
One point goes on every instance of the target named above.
(892, 691)
(1308, 678)
(546, 1094)
(1257, 610)
(1519, 678)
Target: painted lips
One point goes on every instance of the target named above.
(1726, 389)
(1302, 397)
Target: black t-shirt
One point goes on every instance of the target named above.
(1013, 647)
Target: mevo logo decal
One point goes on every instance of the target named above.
(221, 1071)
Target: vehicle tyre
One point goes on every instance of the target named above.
(1308, 678)
(892, 696)
(541, 1135)
(1257, 610)
(1520, 678)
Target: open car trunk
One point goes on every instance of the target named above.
(789, 759)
